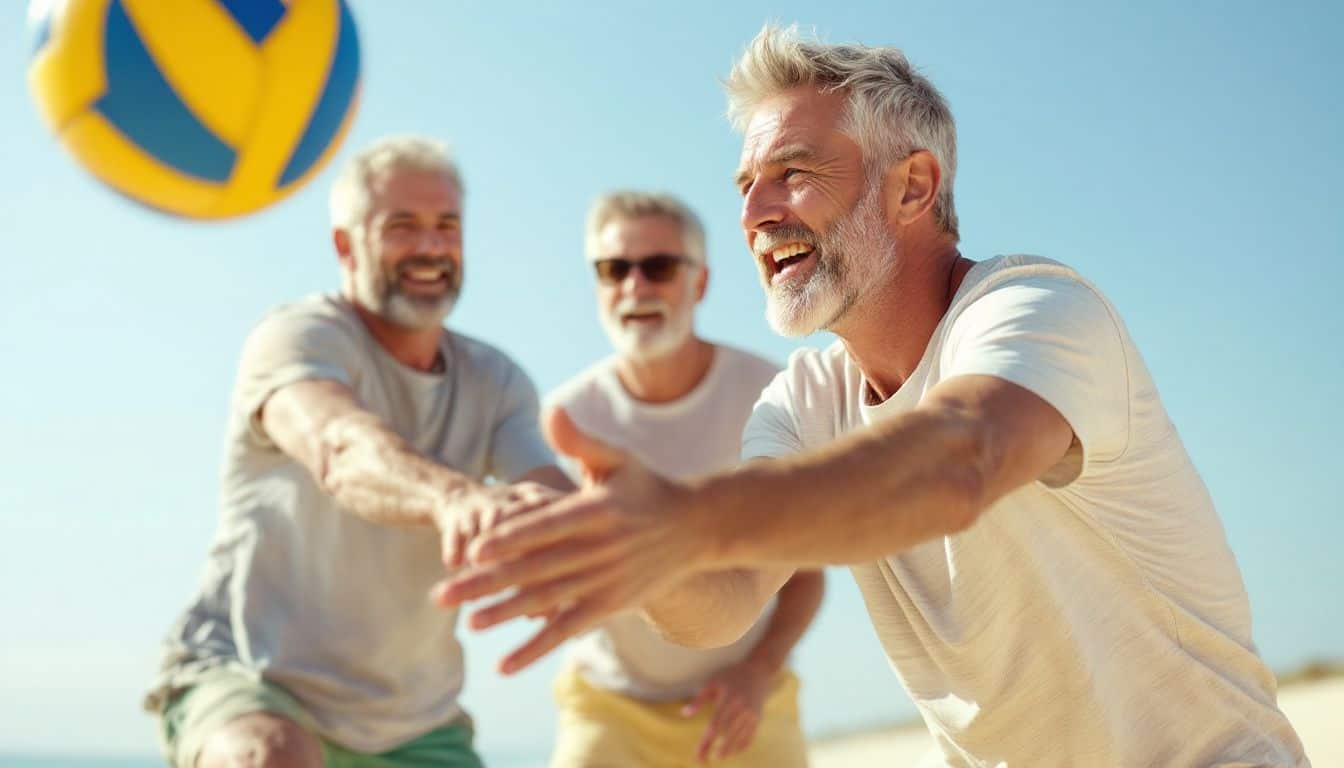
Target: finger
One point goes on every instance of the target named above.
(545, 565)
(566, 518)
(740, 736)
(454, 547)
(723, 718)
(707, 695)
(597, 458)
(545, 597)
(574, 621)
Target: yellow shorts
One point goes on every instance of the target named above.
(602, 729)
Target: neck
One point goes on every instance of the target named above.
(666, 378)
(416, 348)
(886, 335)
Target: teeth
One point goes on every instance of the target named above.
(788, 251)
(426, 275)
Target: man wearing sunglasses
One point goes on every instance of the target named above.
(629, 697)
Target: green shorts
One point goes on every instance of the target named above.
(227, 693)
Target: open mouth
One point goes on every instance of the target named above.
(788, 259)
(425, 279)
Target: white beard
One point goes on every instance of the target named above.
(856, 252)
(641, 342)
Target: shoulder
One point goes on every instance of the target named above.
(580, 389)
(1028, 280)
(1012, 295)
(315, 312)
(744, 365)
(321, 326)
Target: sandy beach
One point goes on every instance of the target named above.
(1316, 710)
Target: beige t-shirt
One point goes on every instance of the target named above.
(327, 605)
(1102, 623)
(695, 435)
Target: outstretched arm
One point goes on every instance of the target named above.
(634, 537)
(375, 473)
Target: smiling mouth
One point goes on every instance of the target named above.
(641, 318)
(425, 278)
(786, 260)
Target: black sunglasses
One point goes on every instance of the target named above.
(658, 268)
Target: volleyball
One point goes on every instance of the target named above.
(199, 108)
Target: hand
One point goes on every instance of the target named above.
(472, 511)
(623, 538)
(738, 694)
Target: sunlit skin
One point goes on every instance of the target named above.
(701, 558)
(411, 214)
(664, 377)
(798, 168)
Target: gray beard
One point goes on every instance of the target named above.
(377, 290)
(853, 254)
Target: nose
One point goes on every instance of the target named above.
(763, 206)
(434, 241)
(635, 283)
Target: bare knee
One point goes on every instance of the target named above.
(260, 740)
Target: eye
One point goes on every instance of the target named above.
(791, 172)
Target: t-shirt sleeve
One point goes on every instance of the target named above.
(286, 348)
(516, 444)
(1057, 338)
(771, 430)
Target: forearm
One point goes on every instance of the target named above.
(875, 492)
(376, 474)
(795, 609)
(713, 609)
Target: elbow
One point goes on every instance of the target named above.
(966, 480)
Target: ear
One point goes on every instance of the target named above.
(911, 187)
(340, 239)
(701, 283)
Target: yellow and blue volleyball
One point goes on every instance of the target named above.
(200, 108)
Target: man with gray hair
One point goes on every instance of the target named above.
(679, 403)
(983, 446)
(360, 440)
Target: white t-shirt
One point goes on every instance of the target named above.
(324, 603)
(1102, 623)
(695, 435)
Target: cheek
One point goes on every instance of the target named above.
(607, 299)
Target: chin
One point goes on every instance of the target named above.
(419, 315)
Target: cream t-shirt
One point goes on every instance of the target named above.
(308, 595)
(695, 435)
(1101, 623)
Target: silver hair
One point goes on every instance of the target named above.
(349, 200)
(626, 204)
(892, 110)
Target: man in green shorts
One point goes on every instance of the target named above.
(360, 439)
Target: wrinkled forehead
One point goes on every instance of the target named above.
(802, 118)
(412, 189)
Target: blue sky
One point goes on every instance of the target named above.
(1186, 159)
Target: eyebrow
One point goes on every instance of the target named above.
(788, 153)
(402, 215)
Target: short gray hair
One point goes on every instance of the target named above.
(892, 110)
(349, 200)
(627, 204)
